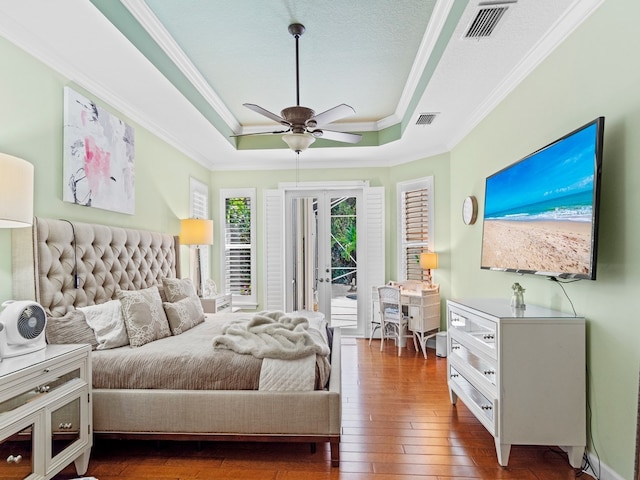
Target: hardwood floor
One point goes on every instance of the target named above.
(398, 423)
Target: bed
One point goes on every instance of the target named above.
(70, 266)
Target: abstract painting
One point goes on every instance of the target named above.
(98, 159)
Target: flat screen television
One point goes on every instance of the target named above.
(541, 213)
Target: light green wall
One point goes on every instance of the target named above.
(594, 72)
(31, 127)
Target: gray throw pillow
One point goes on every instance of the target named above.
(178, 288)
(184, 314)
(71, 328)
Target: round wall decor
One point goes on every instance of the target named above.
(469, 210)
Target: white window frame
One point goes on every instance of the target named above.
(425, 183)
(242, 301)
(199, 208)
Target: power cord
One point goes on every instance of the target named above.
(559, 282)
(74, 272)
(586, 462)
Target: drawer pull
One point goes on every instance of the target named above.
(12, 459)
(65, 426)
(42, 388)
(454, 375)
(455, 347)
(486, 407)
(489, 336)
(489, 372)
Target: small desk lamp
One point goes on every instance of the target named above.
(429, 261)
(196, 231)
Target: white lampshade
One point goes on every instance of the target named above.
(298, 142)
(16, 192)
(196, 231)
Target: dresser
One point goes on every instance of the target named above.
(45, 412)
(521, 372)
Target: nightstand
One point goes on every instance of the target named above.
(219, 303)
(46, 412)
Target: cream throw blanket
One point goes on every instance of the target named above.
(287, 346)
(272, 335)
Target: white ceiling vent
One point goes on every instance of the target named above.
(426, 118)
(487, 19)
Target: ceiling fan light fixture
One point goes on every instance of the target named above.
(298, 142)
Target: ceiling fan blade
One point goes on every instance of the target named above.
(260, 133)
(266, 113)
(337, 136)
(333, 114)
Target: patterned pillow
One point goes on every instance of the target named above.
(184, 314)
(144, 316)
(178, 288)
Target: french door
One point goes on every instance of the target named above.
(321, 254)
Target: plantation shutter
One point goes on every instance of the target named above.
(416, 231)
(238, 243)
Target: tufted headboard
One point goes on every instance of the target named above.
(63, 265)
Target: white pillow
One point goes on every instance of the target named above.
(107, 322)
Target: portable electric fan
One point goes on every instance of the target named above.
(22, 326)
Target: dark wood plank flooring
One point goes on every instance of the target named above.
(398, 423)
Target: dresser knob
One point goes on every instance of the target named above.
(12, 459)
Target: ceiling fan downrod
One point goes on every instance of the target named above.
(297, 29)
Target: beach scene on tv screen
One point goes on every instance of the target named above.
(538, 212)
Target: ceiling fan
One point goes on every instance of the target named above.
(302, 124)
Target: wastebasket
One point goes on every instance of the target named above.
(441, 344)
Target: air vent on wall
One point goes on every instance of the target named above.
(426, 118)
(487, 18)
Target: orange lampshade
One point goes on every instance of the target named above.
(429, 260)
(196, 231)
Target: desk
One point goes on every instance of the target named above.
(423, 309)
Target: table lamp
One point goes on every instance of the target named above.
(196, 231)
(16, 192)
(429, 261)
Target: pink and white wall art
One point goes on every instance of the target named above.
(98, 160)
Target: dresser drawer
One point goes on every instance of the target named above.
(48, 383)
(486, 369)
(476, 330)
(481, 406)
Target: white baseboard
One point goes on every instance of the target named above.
(605, 472)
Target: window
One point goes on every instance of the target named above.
(415, 214)
(199, 208)
(238, 269)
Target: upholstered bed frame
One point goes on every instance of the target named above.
(64, 265)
